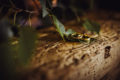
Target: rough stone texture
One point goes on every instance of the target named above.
(58, 60)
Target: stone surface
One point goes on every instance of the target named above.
(58, 60)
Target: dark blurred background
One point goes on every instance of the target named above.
(64, 8)
(61, 7)
(101, 4)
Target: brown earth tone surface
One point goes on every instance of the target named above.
(58, 60)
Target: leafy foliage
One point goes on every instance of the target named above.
(59, 26)
(70, 35)
(26, 43)
(92, 26)
(68, 32)
(44, 9)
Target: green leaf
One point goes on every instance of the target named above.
(26, 43)
(92, 26)
(44, 9)
(69, 32)
(59, 26)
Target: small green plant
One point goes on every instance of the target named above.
(71, 35)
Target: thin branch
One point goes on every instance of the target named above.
(20, 10)
(15, 17)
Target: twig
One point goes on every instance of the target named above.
(21, 10)
(15, 18)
